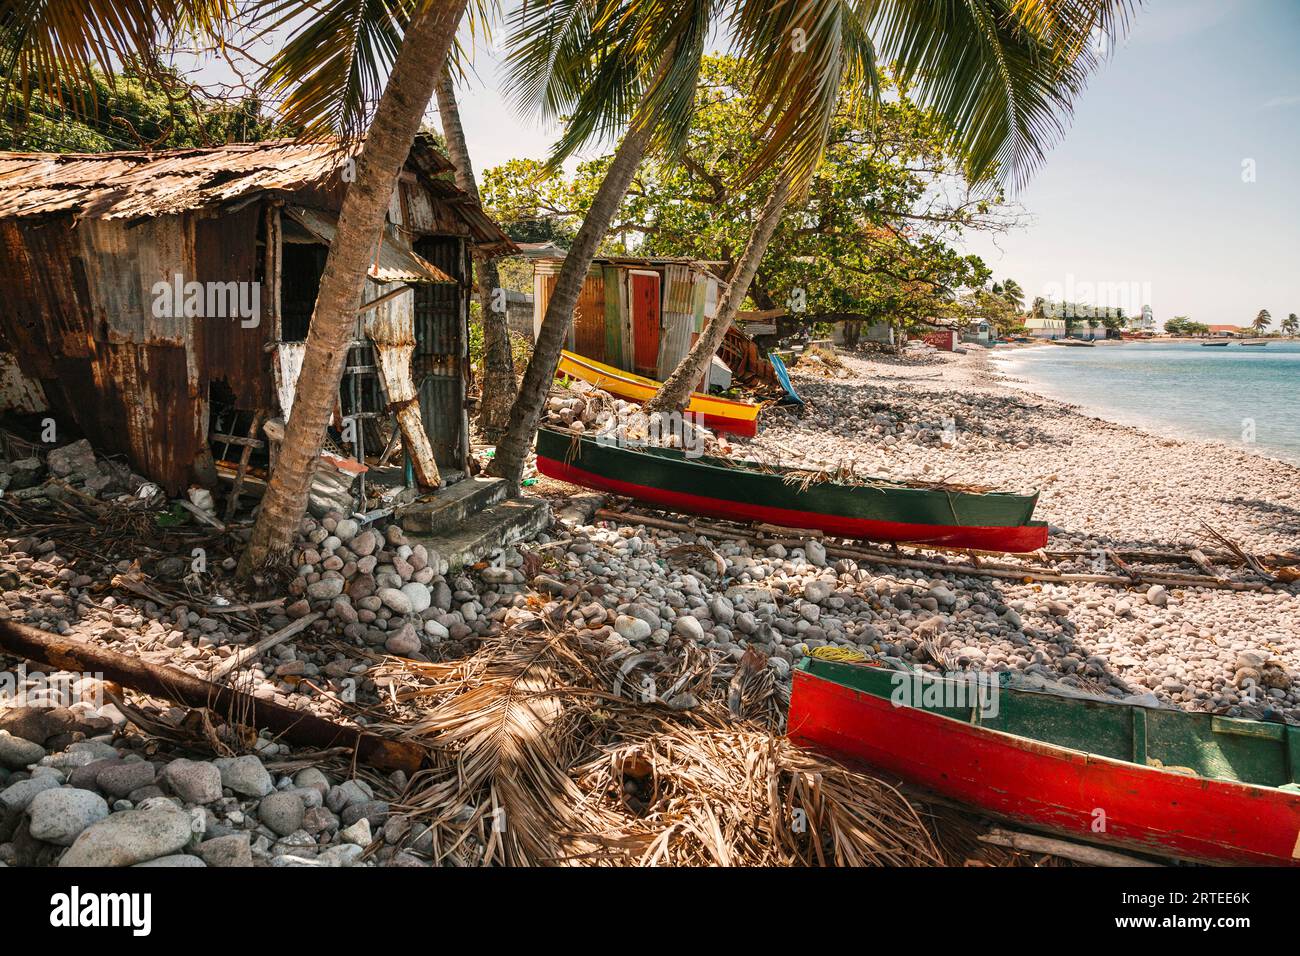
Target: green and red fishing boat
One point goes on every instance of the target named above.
(1192, 786)
(877, 510)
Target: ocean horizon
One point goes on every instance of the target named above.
(1248, 397)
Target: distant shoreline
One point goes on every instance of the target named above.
(1156, 428)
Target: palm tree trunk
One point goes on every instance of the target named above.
(512, 450)
(420, 60)
(676, 392)
(498, 364)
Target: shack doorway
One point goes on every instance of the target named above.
(441, 362)
(643, 296)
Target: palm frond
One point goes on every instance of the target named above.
(546, 750)
(54, 44)
(1003, 74)
(602, 65)
(330, 72)
(802, 54)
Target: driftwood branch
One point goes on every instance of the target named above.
(1024, 573)
(156, 680)
(252, 652)
(1078, 852)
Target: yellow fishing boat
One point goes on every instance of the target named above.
(719, 414)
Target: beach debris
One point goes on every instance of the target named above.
(183, 688)
(646, 783)
(898, 557)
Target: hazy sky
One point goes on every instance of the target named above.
(1177, 184)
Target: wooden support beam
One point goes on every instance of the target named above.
(232, 503)
(170, 683)
(1078, 852)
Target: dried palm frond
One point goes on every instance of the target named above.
(547, 749)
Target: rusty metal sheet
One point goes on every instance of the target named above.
(131, 185)
(43, 287)
(124, 263)
(232, 348)
(395, 260)
(679, 302)
(18, 392)
(441, 362)
(589, 317)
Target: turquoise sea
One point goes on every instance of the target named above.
(1241, 395)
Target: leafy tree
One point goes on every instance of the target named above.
(1291, 324)
(136, 109)
(1261, 321)
(1182, 325)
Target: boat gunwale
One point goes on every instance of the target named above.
(745, 466)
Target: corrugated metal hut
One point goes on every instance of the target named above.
(156, 298)
(638, 314)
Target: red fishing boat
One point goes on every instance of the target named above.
(1192, 786)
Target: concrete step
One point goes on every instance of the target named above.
(493, 528)
(451, 507)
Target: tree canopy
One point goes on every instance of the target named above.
(132, 111)
(874, 235)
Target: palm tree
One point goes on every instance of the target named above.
(1013, 294)
(643, 76)
(1001, 74)
(419, 60)
(1291, 324)
(498, 363)
(1261, 321)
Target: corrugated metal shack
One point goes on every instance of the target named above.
(102, 323)
(638, 314)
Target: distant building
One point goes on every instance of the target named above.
(1146, 322)
(978, 331)
(1046, 327)
(850, 333)
(1225, 331)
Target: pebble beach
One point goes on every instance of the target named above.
(951, 417)
(81, 783)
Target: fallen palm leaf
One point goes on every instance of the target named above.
(545, 752)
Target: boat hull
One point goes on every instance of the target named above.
(718, 414)
(905, 515)
(1068, 791)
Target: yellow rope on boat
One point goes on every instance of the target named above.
(845, 655)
